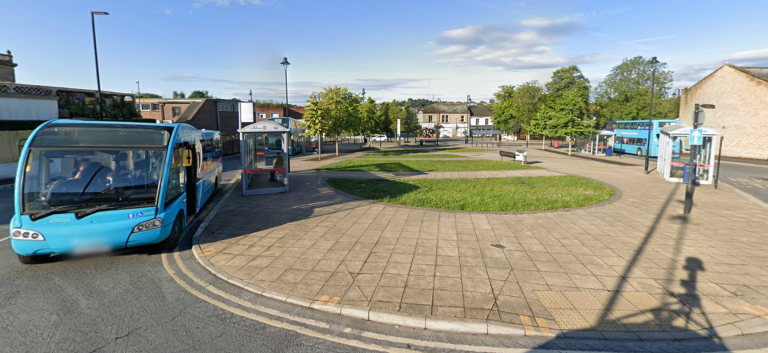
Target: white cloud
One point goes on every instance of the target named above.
(167, 11)
(529, 44)
(201, 3)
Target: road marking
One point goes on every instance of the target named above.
(761, 308)
(334, 301)
(755, 312)
(528, 325)
(4, 239)
(322, 299)
(271, 322)
(543, 325)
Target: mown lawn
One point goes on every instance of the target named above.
(410, 155)
(489, 195)
(362, 165)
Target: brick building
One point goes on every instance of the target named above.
(273, 112)
(452, 117)
(160, 109)
(740, 95)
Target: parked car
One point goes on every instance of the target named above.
(379, 138)
(510, 137)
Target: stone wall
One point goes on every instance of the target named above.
(741, 113)
(7, 67)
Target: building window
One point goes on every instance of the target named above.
(445, 119)
(486, 121)
(462, 118)
(176, 112)
(155, 106)
(430, 118)
(262, 116)
(225, 107)
(275, 115)
(145, 107)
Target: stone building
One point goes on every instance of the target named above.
(7, 67)
(452, 117)
(740, 95)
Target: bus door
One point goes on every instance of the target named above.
(191, 165)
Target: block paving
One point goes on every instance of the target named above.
(635, 264)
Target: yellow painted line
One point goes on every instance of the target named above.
(322, 299)
(528, 325)
(755, 312)
(543, 325)
(761, 308)
(334, 301)
(271, 322)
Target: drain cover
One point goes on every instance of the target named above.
(498, 246)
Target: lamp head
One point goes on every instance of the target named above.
(285, 62)
(707, 106)
(100, 13)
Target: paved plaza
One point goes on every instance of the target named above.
(633, 265)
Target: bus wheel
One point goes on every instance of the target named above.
(172, 241)
(31, 260)
(640, 152)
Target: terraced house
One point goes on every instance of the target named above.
(453, 119)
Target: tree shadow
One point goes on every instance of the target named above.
(680, 315)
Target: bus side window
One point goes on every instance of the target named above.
(176, 180)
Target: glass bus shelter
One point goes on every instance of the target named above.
(600, 143)
(264, 158)
(675, 155)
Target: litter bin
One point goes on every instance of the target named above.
(609, 151)
(557, 143)
(686, 170)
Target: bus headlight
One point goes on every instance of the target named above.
(24, 234)
(148, 225)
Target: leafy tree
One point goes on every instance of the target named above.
(503, 109)
(570, 79)
(561, 117)
(369, 116)
(411, 123)
(177, 95)
(148, 95)
(200, 94)
(385, 118)
(625, 94)
(333, 111)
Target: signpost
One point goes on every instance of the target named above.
(694, 140)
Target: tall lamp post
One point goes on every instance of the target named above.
(138, 96)
(654, 62)
(96, 56)
(469, 122)
(690, 188)
(285, 64)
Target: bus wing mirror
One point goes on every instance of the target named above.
(187, 158)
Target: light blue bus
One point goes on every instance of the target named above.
(631, 136)
(84, 186)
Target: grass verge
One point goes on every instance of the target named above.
(362, 165)
(488, 195)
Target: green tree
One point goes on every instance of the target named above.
(625, 94)
(503, 108)
(148, 95)
(561, 117)
(335, 110)
(385, 117)
(200, 94)
(411, 123)
(526, 103)
(369, 116)
(570, 80)
(179, 95)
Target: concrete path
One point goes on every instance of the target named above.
(636, 268)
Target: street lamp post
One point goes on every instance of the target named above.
(690, 188)
(285, 64)
(654, 62)
(138, 96)
(469, 122)
(96, 56)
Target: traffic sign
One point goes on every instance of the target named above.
(696, 137)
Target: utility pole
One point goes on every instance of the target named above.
(654, 62)
(96, 56)
(690, 188)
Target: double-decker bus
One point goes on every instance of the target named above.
(631, 136)
(298, 143)
(84, 186)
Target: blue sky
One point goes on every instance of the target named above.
(394, 49)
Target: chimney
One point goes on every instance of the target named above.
(7, 71)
